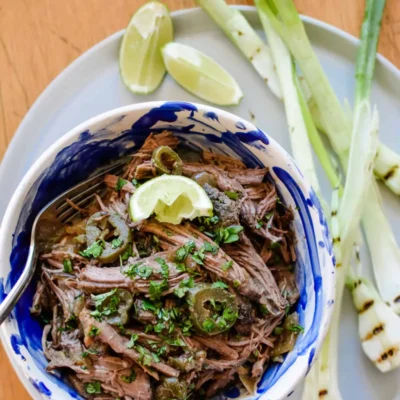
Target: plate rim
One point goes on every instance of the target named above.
(12, 147)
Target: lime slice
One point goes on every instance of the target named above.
(172, 198)
(140, 61)
(200, 75)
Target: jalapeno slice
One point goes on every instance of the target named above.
(212, 310)
(100, 226)
(164, 154)
(172, 388)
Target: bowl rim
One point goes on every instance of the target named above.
(73, 134)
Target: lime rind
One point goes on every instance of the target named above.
(200, 75)
(171, 198)
(140, 60)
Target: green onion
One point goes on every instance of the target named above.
(240, 32)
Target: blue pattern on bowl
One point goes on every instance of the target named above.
(198, 127)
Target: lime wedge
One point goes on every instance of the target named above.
(140, 61)
(200, 75)
(172, 198)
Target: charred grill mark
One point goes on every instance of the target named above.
(356, 284)
(390, 173)
(376, 331)
(397, 299)
(333, 213)
(336, 239)
(366, 306)
(387, 354)
(323, 393)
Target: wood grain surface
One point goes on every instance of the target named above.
(39, 38)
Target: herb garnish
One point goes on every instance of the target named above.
(67, 263)
(220, 285)
(133, 339)
(94, 250)
(93, 331)
(120, 184)
(129, 378)
(93, 388)
(232, 195)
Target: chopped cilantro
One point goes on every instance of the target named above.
(93, 331)
(94, 250)
(132, 341)
(268, 216)
(129, 378)
(159, 327)
(181, 267)
(155, 290)
(145, 355)
(232, 195)
(208, 325)
(227, 265)
(274, 245)
(228, 235)
(67, 265)
(147, 305)
(236, 283)
(155, 357)
(178, 342)
(199, 256)
(185, 250)
(263, 309)
(220, 285)
(135, 182)
(229, 315)
(259, 224)
(120, 184)
(164, 267)
(138, 269)
(117, 242)
(210, 248)
(100, 298)
(184, 286)
(93, 388)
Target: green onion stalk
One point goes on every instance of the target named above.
(284, 17)
(323, 378)
(240, 32)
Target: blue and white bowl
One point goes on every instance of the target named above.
(120, 132)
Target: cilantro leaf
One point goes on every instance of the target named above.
(220, 285)
(93, 387)
(117, 242)
(93, 331)
(155, 290)
(227, 265)
(184, 286)
(232, 195)
(94, 250)
(147, 305)
(210, 248)
(133, 339)
(185, 250)
(129, 378)
(120, 184)
(208, 325)
(67, 263)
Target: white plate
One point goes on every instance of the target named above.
(91, 85)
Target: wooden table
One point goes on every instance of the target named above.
(39, 38)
